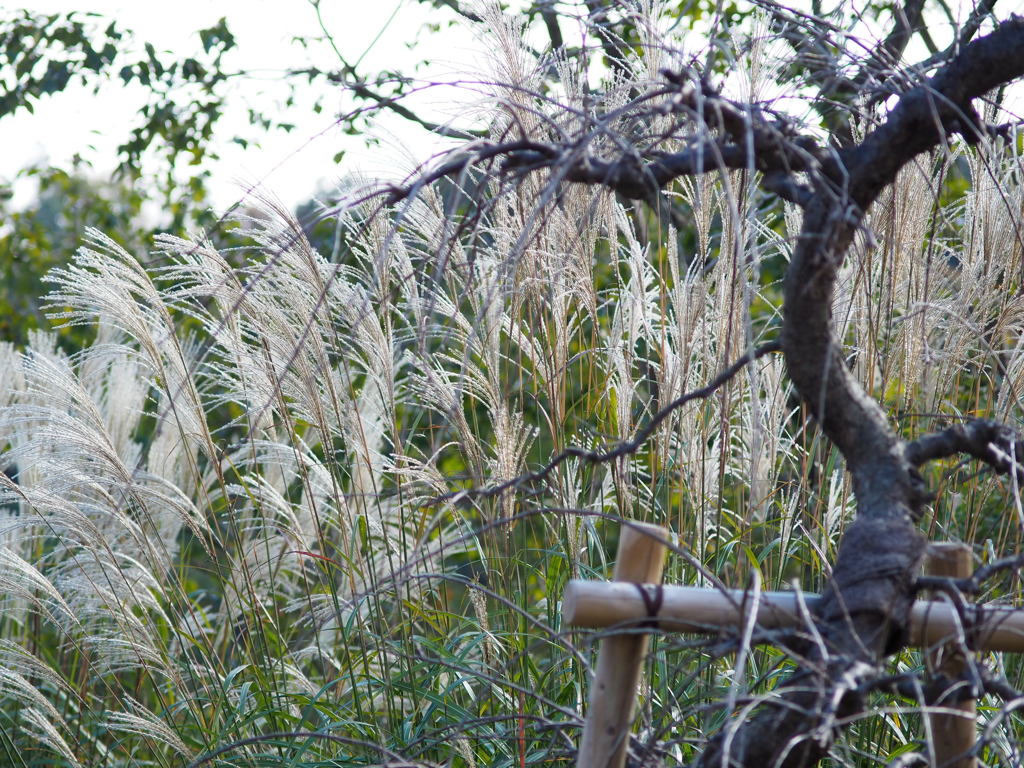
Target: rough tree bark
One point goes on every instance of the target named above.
(864, 610)
(866, 605)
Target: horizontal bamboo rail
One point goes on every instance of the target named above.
(599, 604)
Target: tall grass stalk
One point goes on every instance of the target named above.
(231, 532)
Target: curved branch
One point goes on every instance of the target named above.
(625, 448)
(925, 115)
(995, 444)
(850, 418)
(966, 34)
(866, 605)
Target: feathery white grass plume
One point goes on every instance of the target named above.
(41, 724)
(29, 666)
(230, 504)
(839, 509)
(11, 379)
(512, 74)
(763, 54)
(22, 581)
(767, 447)
(16, 686)
(140, 721)
(107, 284)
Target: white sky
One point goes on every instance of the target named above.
(290, 166)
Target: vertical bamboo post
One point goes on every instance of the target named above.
(952, 734)
(641, 559)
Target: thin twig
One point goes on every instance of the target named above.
(622, 449)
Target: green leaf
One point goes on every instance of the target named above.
(217, 34)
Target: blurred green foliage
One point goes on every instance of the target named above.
(42, 55)
(46, 233)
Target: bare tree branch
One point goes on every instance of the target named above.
(928, 113)
(457, 7)
(550, 18)
(999, 686)
(349, 79)
(622, 449)
(867, 601)
(885, 60)
(995, 444)
(967, 33)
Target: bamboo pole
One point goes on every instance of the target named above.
(691, 609)
(641, 559)
(954, 730)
